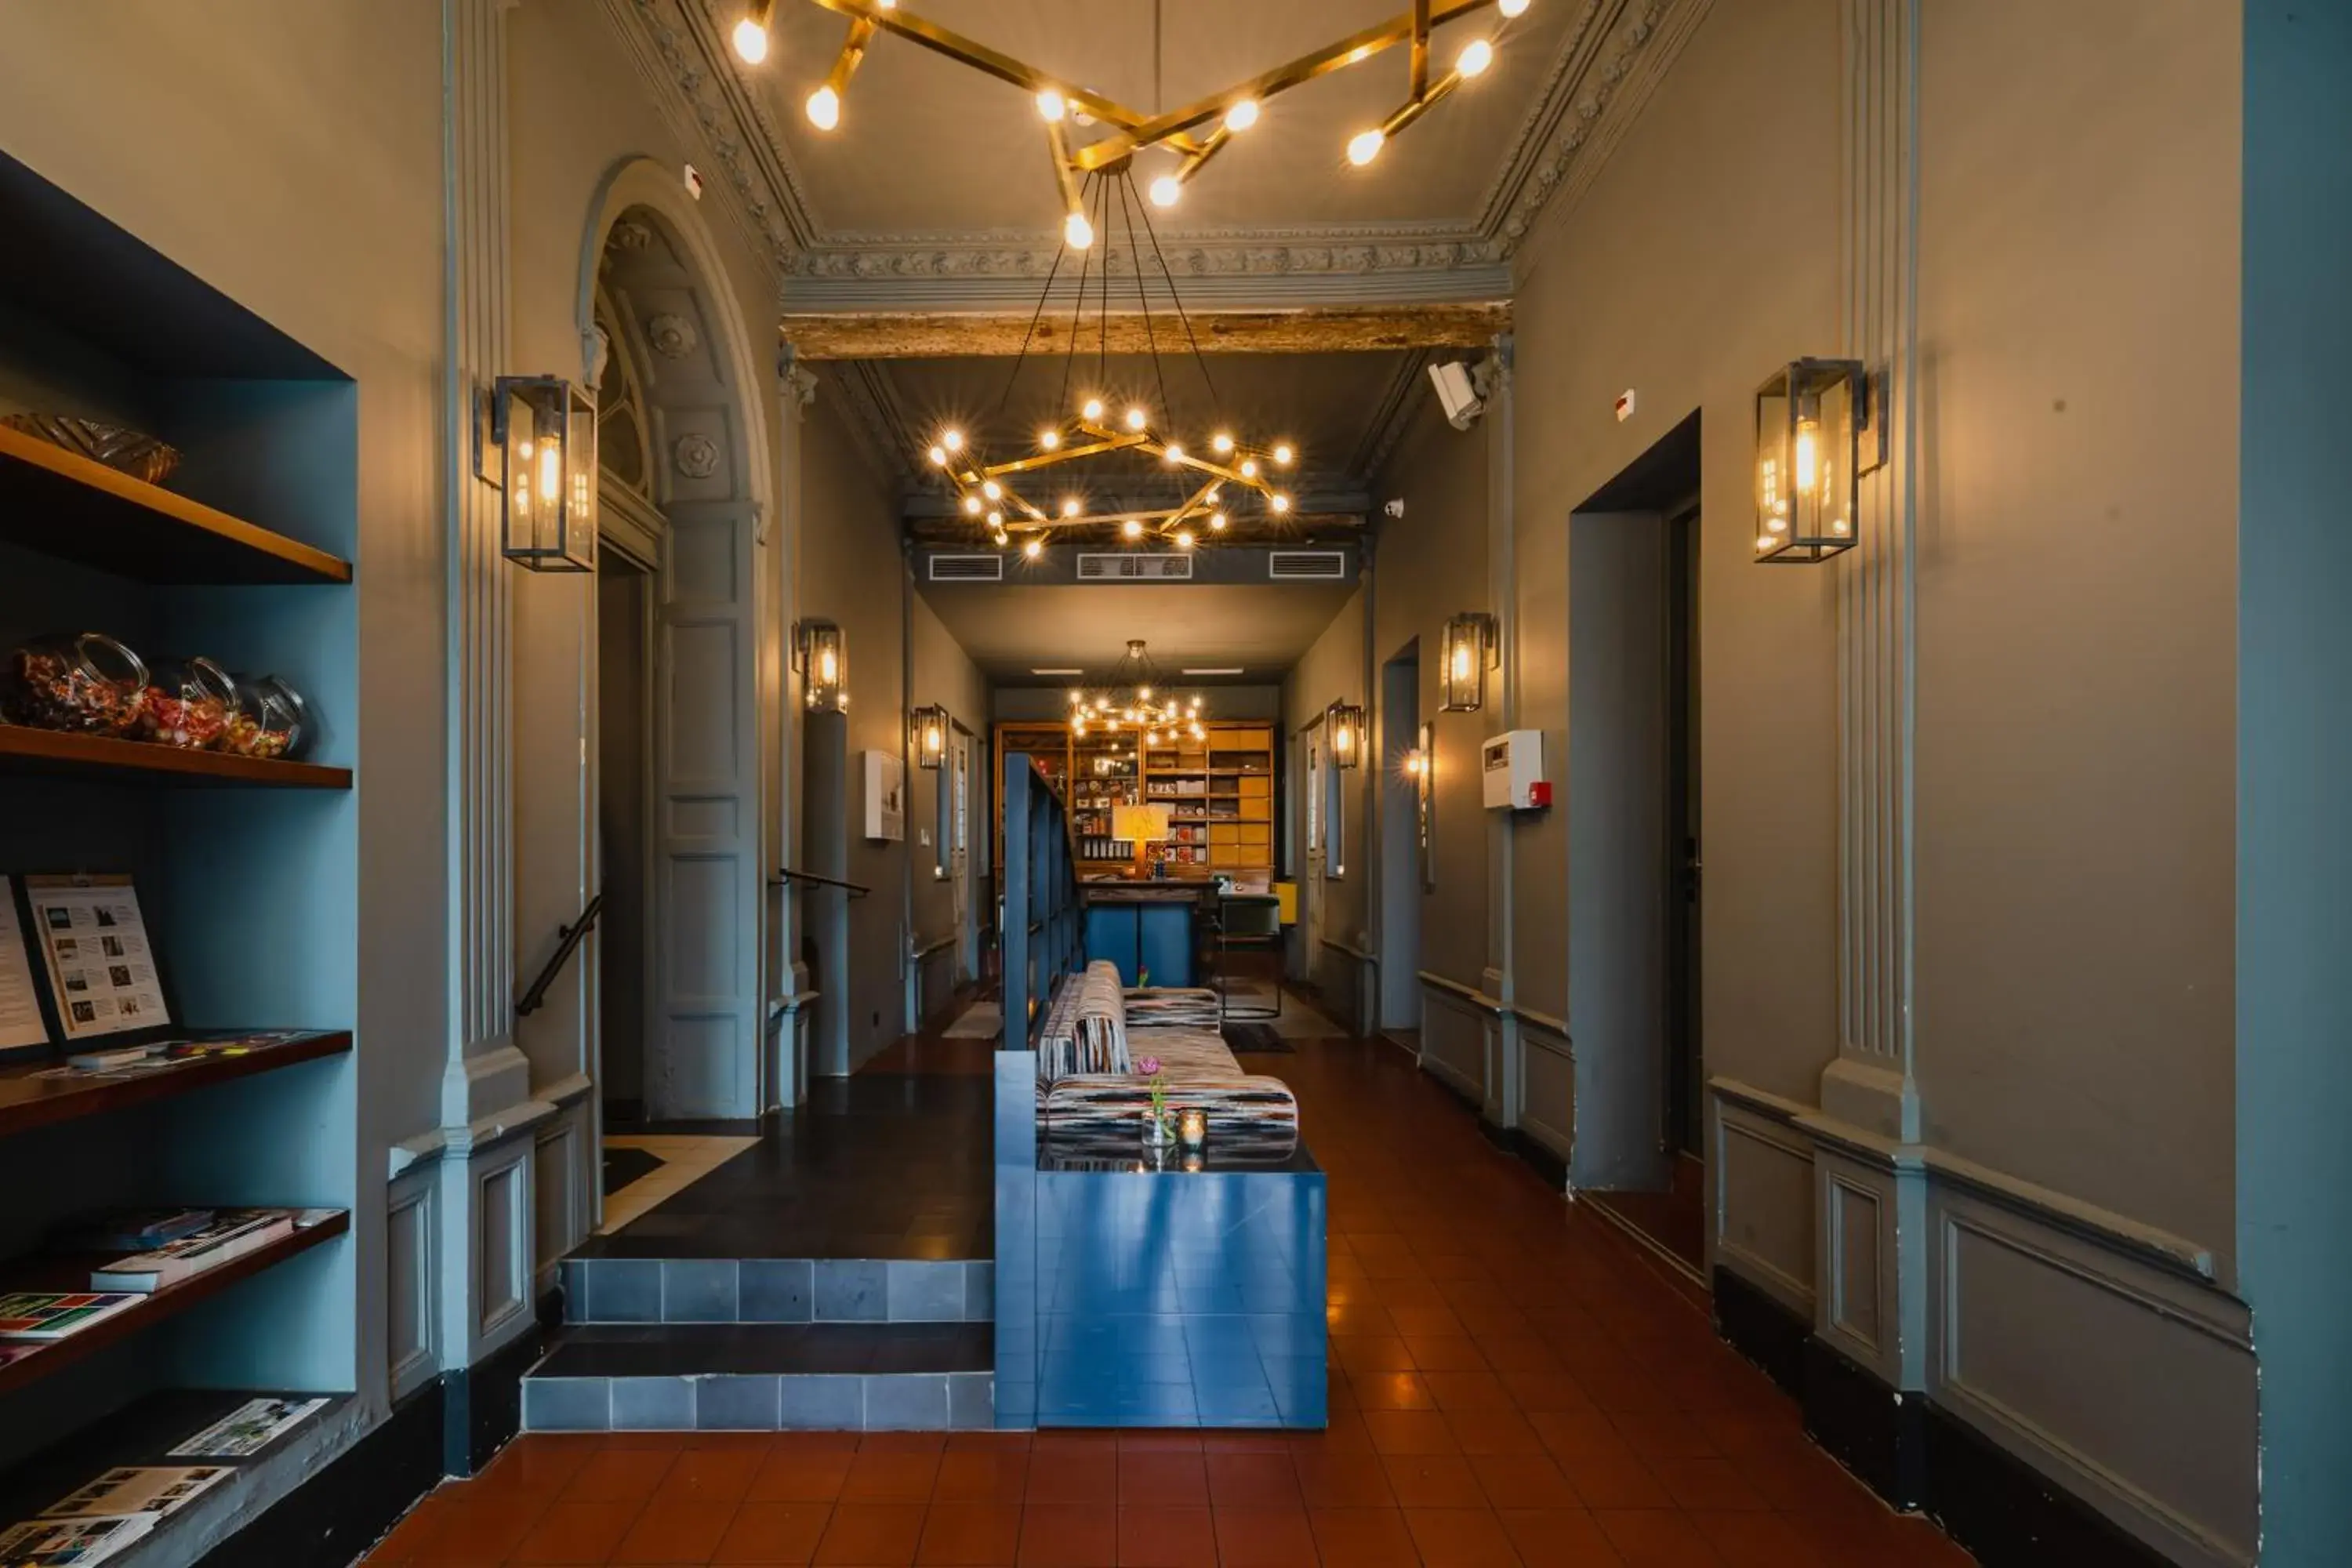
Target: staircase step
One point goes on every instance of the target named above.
(607, 1289)
(870, 1377)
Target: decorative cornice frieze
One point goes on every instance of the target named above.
(1556, 148)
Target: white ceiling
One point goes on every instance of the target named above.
(1264, 628)
(965, 153)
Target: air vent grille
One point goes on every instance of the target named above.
(967, 568)
(1319, 565)
(1133, 566)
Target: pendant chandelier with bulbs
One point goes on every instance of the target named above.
(1193, 133)
(1134, 699)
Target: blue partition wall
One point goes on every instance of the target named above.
(1135, 1287)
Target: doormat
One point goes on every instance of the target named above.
(1262, 1038)
(622, 1166)
(980, 1021)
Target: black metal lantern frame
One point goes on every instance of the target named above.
(825, 667)
(1343, 728)
(1469, 648)
(1811, 416)
(541, 430)
(927, 736)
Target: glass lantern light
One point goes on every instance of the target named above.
(1469, 649)
(824, 668)
(543, 429)
(930, 734)
(1809, 416)
(1344, 724)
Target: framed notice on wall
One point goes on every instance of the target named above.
(93, 942)
(20, 1005)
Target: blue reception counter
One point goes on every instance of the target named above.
(1147, 928)
(1136, 1291)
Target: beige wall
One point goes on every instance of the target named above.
(944, 674)
(1331, 670)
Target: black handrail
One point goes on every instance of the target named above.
(855, 890)
(571, 935)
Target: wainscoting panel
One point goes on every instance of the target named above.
(1453, 1039)
(411, 1282)
(559, 1193)
(935, 979)
(503, 1213)
(1872, 1273)
(1763, 1200)
(1547, 1087)
(2133, 1384)
(1853, 1261)
(1340, 979)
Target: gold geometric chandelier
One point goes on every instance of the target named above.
(1194, 132)
(1144, 705)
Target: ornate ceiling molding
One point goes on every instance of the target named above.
(1597, 82)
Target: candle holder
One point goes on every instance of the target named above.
(1191, 1127)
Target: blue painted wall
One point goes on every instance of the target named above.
(2295, 777)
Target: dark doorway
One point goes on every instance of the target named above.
(624, 714)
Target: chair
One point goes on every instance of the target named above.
(1246, 922)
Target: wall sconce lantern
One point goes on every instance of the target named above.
(825, 665)
(1343, 722)
(542, 430)
(930, 736)
(1470, 649)
(1810, 418)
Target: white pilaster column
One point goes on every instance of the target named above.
(796, 389)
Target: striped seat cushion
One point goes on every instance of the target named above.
(1086, 1028)
(1173, 1007)
(1200, 1072)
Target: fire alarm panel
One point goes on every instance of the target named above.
(1511, 765)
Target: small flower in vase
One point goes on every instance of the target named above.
(1156, 1130)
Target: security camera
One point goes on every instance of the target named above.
(1394, 508)
(1457, 394)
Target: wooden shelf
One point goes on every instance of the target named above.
(71, 1271)
(66, 505)
(27, 1099)
(24, 750)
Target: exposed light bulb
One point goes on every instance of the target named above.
(1070, 507)
(1136, 418)
(1765, 541)
(824, 108)
(1151, 737)
(1243, 114)
(1183, 539)
(751, 41)
(1094, 409)
(996, 520)
(1049, 438)
(1476, 57)
(1175, 452)
(1222, 442)
(952, 441)
(992, 490)
(1034, 548)
(972, 505)
(1199, 733)
(1132, 528)
(1249, 468)
(1076, 232)
(1366, 146)
(1077, 698)
(1144, 692)
(1165, 190)
(1216, 522)
(1279, 502)
(1051, 106)
(938, 457)
(1284, 454)
(1512, 7)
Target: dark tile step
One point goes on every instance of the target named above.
(672, 1350)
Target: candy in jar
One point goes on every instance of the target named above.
(82, 682)
(190, 702)
(271, 720)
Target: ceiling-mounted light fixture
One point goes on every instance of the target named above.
(1468, 649)
(751, 35)
(1810, 456)
(823, 106)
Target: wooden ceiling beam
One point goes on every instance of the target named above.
(1317, 329)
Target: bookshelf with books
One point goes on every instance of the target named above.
(179, 960)
(1219, 791)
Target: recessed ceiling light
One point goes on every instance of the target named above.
(1231, 669)
(1034, 670)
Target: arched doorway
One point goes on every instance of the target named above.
(684, 487)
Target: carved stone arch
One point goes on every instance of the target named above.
(657, 317)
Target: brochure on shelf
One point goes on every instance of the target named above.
(50, 1315)
(232, 1235)
(93, 941)
(20, 1004)
(156, 1489)
(250, 1428)
(70, 1542)
(132, 1230)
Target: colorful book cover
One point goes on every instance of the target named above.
(250, 1428)
(70, 1542)
(231, 1235)
(134, 1230)
(57, 1314)
(149, 1489)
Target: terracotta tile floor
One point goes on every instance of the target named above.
(1512, 1383)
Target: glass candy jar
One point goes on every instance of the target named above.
(190, 702)
(271, 720)
(85, 683)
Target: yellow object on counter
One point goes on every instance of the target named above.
(1286, 895)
